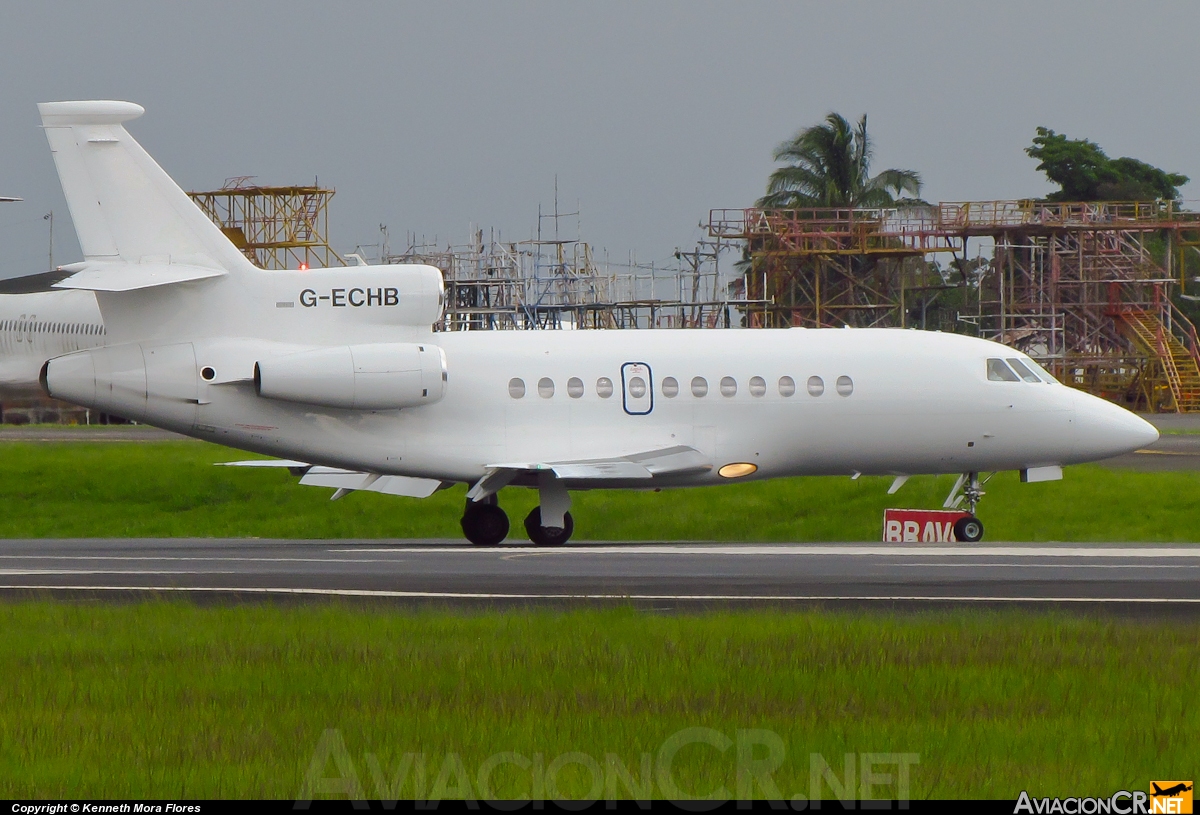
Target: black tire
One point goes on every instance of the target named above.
(969, 529)
(484, 524)
(548, 535)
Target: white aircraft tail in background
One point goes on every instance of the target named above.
(339, 373)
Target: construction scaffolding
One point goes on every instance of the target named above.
(275, 227)
(1087, 289)
(557, 283)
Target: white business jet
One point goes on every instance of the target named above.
(338, 373)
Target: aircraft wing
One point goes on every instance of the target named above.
(346, 481)
(667, 460)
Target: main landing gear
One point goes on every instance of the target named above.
(548, 535)
(484, 523)
(967, 488)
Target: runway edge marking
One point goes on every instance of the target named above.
(433, 595)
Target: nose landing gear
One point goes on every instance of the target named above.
(968, 530)
(967, 488)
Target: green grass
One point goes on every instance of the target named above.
(174, 700)
(78, 489)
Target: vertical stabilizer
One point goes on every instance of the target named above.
(124, 206)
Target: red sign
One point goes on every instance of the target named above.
(920, 525)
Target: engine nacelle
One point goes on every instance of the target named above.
(381, 376)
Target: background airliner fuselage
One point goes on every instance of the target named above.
(36, 327)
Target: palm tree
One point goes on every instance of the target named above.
(828, 166)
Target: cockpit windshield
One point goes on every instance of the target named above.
(999, 372)
(1022, 371)
(1046, 376)
(1016, 369)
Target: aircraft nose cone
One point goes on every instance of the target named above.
(1103, 430)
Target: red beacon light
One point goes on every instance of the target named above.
(304, 267)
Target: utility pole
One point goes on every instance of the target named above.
(49, 216)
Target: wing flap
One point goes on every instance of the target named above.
(345, 481)
(348, 480)
(638, 466)
(600, 469)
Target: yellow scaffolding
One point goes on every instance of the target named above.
(276, 227)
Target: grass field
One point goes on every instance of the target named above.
(78, 489)
(175, 700)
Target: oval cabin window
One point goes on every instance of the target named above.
(545, 387)
(574, 387)
(728, 386)
(637, 387)
(816, 386)
(604, 387)
(758, 386)
(699, 386)
(670, 387)
(787, 386)
(845, 386)
(516, 388)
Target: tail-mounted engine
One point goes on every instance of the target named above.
(166, 384)
(381, 376)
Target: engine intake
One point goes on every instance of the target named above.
(381, 376)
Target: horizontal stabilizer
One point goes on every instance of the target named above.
(133, 276)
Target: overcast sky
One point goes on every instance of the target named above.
(429, 117)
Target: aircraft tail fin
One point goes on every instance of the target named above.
(124, 206)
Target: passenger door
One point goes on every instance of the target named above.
(637, 388)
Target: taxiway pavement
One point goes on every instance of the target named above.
(659, 574)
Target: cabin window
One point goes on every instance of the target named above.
(758, 386)
(1022, 371)
(604, 387)
(670, 387)
(845, 386)
(545, 387)
(574, 387)
(728, 386)
(516, 388)
(699, 386)
(637, 387)
(816, 386)
(999, 372)
(787, 386)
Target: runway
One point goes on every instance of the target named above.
(661, 575)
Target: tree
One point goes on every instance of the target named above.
(1085, 173)
(828, 166)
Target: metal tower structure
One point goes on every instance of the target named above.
(276, 227)
(1088, 289)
